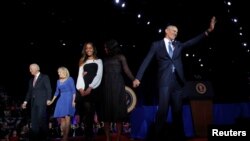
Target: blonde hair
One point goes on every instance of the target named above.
(65, 70)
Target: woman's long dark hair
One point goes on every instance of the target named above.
(84, 56)
(113, 47)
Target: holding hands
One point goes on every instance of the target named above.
(24, 105)
(49, 102)
(136, 83)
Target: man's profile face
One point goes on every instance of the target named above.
(171, 32)
(33, 69)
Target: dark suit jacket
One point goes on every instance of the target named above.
(158, 49)
(41, 92)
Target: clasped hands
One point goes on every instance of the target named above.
(136, 83)
(86, 92)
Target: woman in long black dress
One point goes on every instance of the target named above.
(115, 107)
(88, 80)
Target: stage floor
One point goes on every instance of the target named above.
(123, 138)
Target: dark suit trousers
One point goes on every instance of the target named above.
(170, 95)
(39, 121)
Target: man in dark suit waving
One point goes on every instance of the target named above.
(170, 76)
(39, 94)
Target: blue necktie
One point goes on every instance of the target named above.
(170, 50)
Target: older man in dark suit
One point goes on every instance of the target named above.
(39, 94)
(168, 54)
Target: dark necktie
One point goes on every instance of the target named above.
(170, 50)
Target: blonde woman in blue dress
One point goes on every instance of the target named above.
(65, 105)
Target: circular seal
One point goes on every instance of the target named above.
(131, 98)
(201, 88)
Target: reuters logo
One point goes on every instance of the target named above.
(201, 88)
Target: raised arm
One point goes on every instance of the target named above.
(211, 25)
